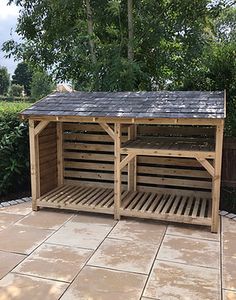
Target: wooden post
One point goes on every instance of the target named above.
(60, 159)
(132, 166)
(34, 165)
(217, 177)
(117, 172)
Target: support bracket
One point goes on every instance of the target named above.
(126, 160)
(205, 163)
(108, 129)
(40, 127)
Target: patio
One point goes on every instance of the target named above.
(53, 254)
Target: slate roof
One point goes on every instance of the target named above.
(181, 104)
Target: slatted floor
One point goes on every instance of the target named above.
(177, 208)
(79, 198)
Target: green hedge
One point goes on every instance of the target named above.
(16, 99)
(14, 149)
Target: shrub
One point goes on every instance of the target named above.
(14, 149)
(16, 90)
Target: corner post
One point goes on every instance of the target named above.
(60, 159)
(217, 176)
(34, 164)
(117, 171)
(132, 166)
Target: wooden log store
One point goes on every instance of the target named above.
(154, 155)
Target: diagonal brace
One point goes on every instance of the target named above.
(205, 163)
(126, 160)
(108, 129)
(40, 127)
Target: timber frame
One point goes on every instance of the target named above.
(126, 156)
(161, 168)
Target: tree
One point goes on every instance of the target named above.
(16, 90)
(41, 85)
(4, 80)
(22, 76)
(93, 43)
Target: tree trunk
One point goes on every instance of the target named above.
(90, 29)
(130, 30)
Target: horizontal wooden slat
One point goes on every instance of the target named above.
(141, 169)
(89, 127)
(189, 162)
(90, 137)
(89, 156)
(87, 146)
(175, 131)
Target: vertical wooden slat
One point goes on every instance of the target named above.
(217, 177)
(34, 165)
(132, 166)
(117, 172)
(60, 159)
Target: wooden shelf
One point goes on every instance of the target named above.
(159, 206)
(171, 207)
(176, 147)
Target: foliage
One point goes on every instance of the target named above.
(167, 41)
(41, 85)
(177, 44)
(14, 149)
(22, 76)
(16, 90)
(4, 80)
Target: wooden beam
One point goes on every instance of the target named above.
(127, 159)
(34, 165)
(40, 127)
(205, 163)
(132, 166)
(117, 172)
(108, 129)
(168, 152)
(217, 177)
(60, 158)
(168, 121)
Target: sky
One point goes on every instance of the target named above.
(8, 18)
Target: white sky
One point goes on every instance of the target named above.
(8, 11)
(8, 17)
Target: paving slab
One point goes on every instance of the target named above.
(229, 243)
(143, 231)
(21, 287)
(46, 219)
(174, 281)
(21, 209)
(22, 239)
(229, 272)
(8, 219)
(101, 284)
(190, 251)
(8, 261)
(229, 295)
(197, 232)
(129, 256)
(228, 225)
(84, 231)
(54, 262)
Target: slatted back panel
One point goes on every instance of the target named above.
(88, 155)
(89, 160)
(48, 158)
(185, 174)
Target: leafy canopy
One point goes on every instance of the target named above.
(169, 36)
